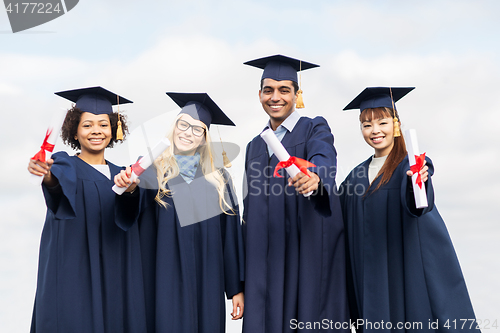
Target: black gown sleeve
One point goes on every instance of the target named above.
(62, 200)
(129, 206)
(233, 244)
(322, 153)
(407, 195)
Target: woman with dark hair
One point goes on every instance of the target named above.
(191, 238)
(403, 273)
(89, 277)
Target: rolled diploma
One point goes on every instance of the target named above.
(272, 141)
(55, 127)
(145, 162)
(412, 148)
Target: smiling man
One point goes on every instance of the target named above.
(295, 266)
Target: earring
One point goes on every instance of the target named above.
(397, 131)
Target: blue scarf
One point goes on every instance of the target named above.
(188, 165)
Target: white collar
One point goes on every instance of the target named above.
(289, 123)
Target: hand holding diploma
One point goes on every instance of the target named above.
(418, 169)
(305, 184)
(305, 181)
(41, 170)
(129, 176)
(125, 182)
(424, 174)
(238, 304)
(40, 164)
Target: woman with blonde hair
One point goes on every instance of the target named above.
(190, 231)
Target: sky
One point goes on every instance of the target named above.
(448, 50)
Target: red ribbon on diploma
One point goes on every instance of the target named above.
(137, 169)
(415, 168)
(40, 156)
(300, 163)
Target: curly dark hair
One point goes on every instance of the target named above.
(72, 120)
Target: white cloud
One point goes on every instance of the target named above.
(9, 89)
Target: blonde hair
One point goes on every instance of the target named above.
(167, 168)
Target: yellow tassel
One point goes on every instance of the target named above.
(299, 104)
(397, 132)
(227, 162)
(119, 131)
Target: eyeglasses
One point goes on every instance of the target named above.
(184, 126)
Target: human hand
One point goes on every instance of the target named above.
(424, 174)
(123, 180)
(238, 302)
(304, 184)
(39, 168)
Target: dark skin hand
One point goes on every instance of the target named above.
(38, 168)
(123, 180)
(304, 184)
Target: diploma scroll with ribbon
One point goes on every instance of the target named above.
(49, 142)
(293, 165)
(145, 162)
(416, 161)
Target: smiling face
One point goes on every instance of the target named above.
(379, 134)
(185, 143)
(278, 100)
(94, 133)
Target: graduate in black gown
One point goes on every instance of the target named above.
(191, 238)
(89, 277)
(405, 275)
(295, 252)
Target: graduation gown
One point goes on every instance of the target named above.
(89, 277)
(403, 265)
(295, 254)
(186, 269)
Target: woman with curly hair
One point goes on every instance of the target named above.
(189, 223)
(89, 277)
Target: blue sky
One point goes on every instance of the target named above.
(448, 50)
